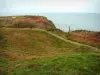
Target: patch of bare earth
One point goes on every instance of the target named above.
(22, 56)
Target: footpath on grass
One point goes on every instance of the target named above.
(61, 38)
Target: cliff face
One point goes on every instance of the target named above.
(27, 21)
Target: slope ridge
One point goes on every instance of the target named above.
(38, 43)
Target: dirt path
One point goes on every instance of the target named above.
(21, 56)
(61, 38)
(96, 49)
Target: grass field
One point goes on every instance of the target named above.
(35, 52)
(76, 64)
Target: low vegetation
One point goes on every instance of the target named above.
(61, 65)
(2, 39)
(82, 36)
(23, 25)
(86, 37)
(26, 22)
(34, 51)
(27, 50)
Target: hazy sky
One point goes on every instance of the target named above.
(48, 6)
(53, 7)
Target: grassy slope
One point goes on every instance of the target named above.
(85, 41)
(35, 42)
(71, 36)
(62, 65)
(25, 47)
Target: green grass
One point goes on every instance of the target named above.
(80, 64)
(3, 64)
(35, 52)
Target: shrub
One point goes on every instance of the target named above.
(96, 35)
(80, 31)
(54, 30)
(24, 25)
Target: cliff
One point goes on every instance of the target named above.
(27, 22)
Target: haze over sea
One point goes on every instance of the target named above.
(88, 21)
(62, 12)
(85, 21)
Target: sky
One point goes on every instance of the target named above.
(86, 21)
(49, 6)
(58, 11)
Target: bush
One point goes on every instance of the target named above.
(80, 31)
(54, 30)
(96, 35)
(68, 35)
(23, 25)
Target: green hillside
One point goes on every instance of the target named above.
(35, 42)
(37, 52)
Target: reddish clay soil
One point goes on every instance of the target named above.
(91, 39)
